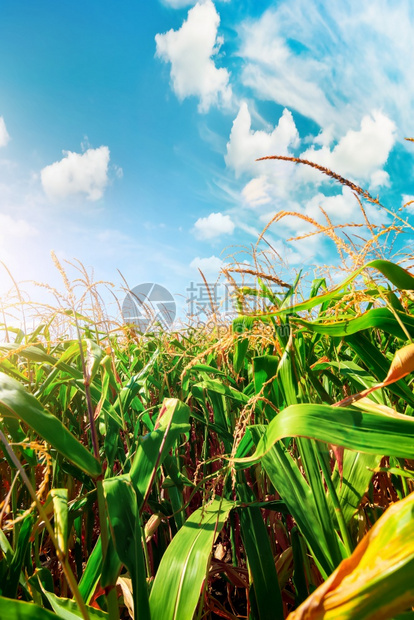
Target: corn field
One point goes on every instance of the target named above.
(263, 473)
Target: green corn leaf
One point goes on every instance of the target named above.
(126, 531)
(376, 581)
(9, 584)
(261, 561)
(216, 386)
(299, 498)
(357, 474)
(210, 370)
(398, 276)
(60, 508)
(18, 610)
(240, 350)
(177, 586)
(111, 566)
(363, 431)
(91, 574)
(299, 560)
(378, 365)
(16, 402)
(264, 368)
(36, 354)
(94, 355)
(5, 547)
(286, 374)
(67, 609)
(381, 318)
(153, 447)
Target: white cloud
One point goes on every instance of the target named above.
(379, 178)
(76, 173)
(4, 136)
(246, 145)
(10, 227)
(359, 154)
(340, 208)
(325, 136)
(190, 50)
(257, 192)
(282, 186)
(336, 62)
(408, 203)
(212, 226)
(208, 266)
(118, 171)
(273, 180)
(275, 73)
(314, 66)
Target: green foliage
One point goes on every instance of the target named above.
(223, 479)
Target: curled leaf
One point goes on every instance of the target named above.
(125, 585)
(375, 582)
(339, 455)
(402, 364)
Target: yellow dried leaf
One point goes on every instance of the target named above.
(402, 364)
(151, 526)
(376, 582)
(219, 552)
(126, 587)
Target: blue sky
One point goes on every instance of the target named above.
(129, 131)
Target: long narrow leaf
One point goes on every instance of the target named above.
(125, 526)
(16, 402)
(180, 576)
(18, 610)
(372, 432)
(376, 582)
(261, 562)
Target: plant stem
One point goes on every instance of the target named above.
(346, 538)
(111, 597)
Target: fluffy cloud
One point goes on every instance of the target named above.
(209, 266)
(190, 50)
(282, 186)
(359, 154)
(274, 72)
(340, 208)
(212, 226)
(246, 145)
(4, 136)
(334, 63)
(257, 191)
(408, 202)
(76, 173)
